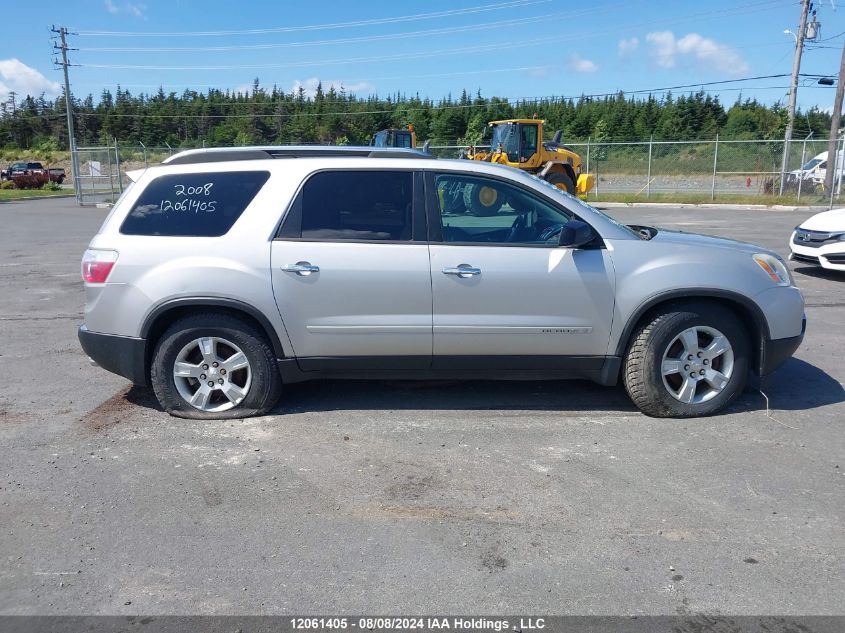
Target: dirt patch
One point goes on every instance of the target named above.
(14, 417)
(411, 487)
(440, 514)
(117, 408)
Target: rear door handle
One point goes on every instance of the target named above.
(462, 270)
(301, 268)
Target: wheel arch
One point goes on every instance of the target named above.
(158, 320)
(561, 167)
(743, 307)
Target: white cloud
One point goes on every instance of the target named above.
(137, 9)
(663, 47)
(580, 65)
(310, 86)
(20, 78)
(666, 49)
(628, 46)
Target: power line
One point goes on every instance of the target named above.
(512, 4)
(560, 97)
(544, 100)
(461, 73)
(515, 101)
(343, 60)
(343, 40)
(427, 54)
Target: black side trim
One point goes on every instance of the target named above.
(218, 302)
(362, 363)
(692, 294)
(121, 355)
(609, 375)
(506, 363)
(600, 369)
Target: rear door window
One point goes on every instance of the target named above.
(353, 205)
(196, 205)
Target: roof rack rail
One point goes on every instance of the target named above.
(219, 154)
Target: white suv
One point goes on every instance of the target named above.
(223, 275)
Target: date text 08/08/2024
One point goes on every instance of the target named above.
(417, 623)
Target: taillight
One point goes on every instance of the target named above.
(96, 265)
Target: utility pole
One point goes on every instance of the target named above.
(835, 118)
(793, 87)
(74, 159)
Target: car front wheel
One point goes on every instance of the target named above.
(688, 361)
(214, 366)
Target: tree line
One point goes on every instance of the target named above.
(262, 116)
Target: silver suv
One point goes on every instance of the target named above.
(225, 275)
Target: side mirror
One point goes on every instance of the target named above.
(576, 234)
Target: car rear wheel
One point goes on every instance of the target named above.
(686, 362)
(214, 366)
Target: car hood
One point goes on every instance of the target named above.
(832, 221)
(682, 238)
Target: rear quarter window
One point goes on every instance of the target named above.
(193, 205)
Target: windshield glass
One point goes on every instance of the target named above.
(811, 164)
(506, 136)
(570, 200)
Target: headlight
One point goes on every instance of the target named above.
(774, 268)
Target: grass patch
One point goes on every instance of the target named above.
(704, 198)
(22, 194)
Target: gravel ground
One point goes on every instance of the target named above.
(412, 497)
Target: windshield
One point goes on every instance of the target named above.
(506, 136)
(812, 164)
(569, 200)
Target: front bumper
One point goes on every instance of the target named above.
(829, 254)
(776, 352)
(122, 355)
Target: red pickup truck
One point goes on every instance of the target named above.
(27, 175)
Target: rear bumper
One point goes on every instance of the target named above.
(775, 353)
(122, 355)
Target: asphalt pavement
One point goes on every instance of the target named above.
(418, 497)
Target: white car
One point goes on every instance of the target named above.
(820, 240)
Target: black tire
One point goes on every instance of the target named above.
(642, 371)
(265, 387)
(561, 181)
(483, 200)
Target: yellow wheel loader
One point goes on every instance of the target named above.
(519, 143)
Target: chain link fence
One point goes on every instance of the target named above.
(749, 171)
(701, 169)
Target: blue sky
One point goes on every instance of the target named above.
(509, 48)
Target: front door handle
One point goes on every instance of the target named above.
(462, 270)
(301, 268)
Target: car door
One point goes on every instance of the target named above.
(350, 271)
(505, 294)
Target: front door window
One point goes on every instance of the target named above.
(477, 210)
